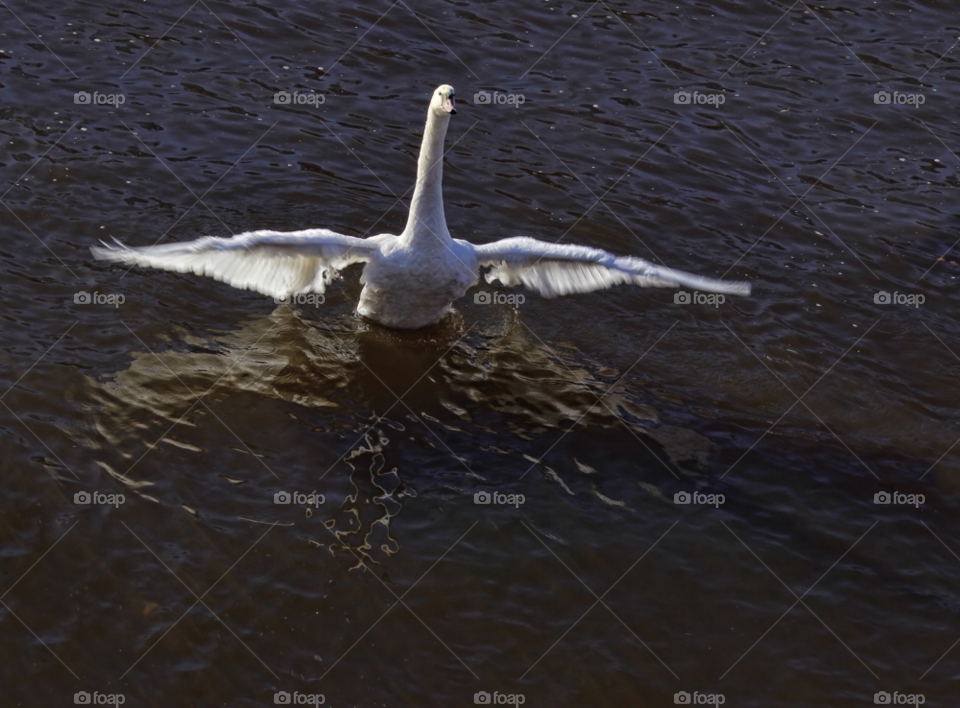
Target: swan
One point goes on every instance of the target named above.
(411, 280)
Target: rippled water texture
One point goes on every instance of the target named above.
(810, 149)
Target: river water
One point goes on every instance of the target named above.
(148, 435)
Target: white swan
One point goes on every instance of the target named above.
(410, 280)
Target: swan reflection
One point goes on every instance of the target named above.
(285, 401)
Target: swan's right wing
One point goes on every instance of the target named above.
(274, 263)
(554, 269)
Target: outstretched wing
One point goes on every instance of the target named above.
(553, 269)
(270, 262)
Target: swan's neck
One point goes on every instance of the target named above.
(426, 225)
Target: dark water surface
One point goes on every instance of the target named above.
(199, 403)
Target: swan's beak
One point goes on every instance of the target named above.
(448, 105)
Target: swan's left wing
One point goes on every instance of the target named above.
(553, 269)
(274, 263)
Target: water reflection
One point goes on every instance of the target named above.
(350, 381)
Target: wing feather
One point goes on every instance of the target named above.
(553, 269)
(274, 263)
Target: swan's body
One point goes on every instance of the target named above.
(410, 280)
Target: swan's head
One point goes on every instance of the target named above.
(442, 101)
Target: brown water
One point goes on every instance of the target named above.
(399, 589)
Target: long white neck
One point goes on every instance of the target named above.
(426, 224)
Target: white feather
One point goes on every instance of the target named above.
(270, 262)
(553, 269)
